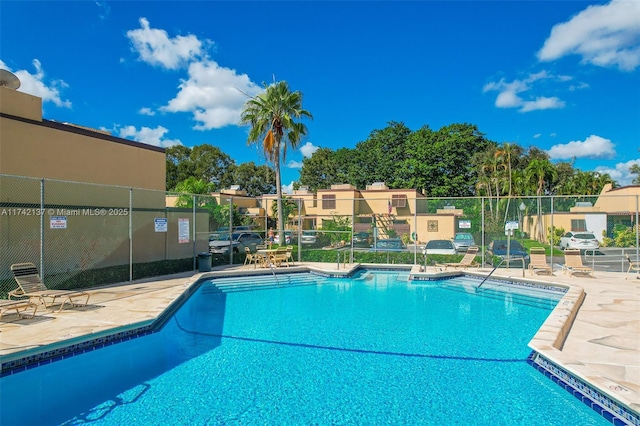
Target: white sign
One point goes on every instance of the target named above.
(183, 230)
(464, 224)
(512, 224)
(160, 224)
(58, 222)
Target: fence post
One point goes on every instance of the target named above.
(637, 229)
(193, 222)
(130, 234)
(482, 229)
(353, 225)
(552, 236)
(415, 227)
(299, 230)
(42, 229)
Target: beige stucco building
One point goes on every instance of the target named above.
(614, 206)
(81, 198)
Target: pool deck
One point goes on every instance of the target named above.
(594, 332)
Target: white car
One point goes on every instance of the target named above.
(579, 240)
(308, 237)
(439, 247)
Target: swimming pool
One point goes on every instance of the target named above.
(374, 348)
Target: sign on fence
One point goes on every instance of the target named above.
(183, 230)
(58, 222)
(160, 224)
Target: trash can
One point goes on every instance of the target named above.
(204, 262)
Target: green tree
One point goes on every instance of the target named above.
(540, 174)
(198, 189)
(192, 186)
(274, 119)
(289, 207)
(202, 162)
(506, 153)
(256, 180)
(320, 170)
(179, 166)
(635, 170)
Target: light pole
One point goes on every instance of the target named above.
(521, 208)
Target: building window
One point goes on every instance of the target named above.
(399, 200)
(328, 202)
(578, 225)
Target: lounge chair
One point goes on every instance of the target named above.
(20, 306)
(573, 263)
(538, 263)
(466, 262)
(634, 266)
(30, 285)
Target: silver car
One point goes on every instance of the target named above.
(463, 240)
(219, 243)
(579, 240)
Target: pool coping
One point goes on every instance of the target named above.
(546, 344)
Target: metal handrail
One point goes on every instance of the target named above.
(501, 262)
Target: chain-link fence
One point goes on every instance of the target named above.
(83, 235)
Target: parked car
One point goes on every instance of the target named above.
(497, 251)
(579, 240)
(308, 237)
(362, 239)
(439, 247)
(288, 237)
(390, 244)
(219, 243)
(463, 240)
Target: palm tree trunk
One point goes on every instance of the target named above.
(279, 197)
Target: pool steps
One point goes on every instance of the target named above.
(264, 282)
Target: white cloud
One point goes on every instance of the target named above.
(621, 172)
(510, 93)
(34, 84)
(146, 111)
(537, 135)
(149, 136)
(605, 35)
(542, 102)
(308, 149)
(287, 189)
(214, 94)
(155, 47)
(294, 164)
(592, 147)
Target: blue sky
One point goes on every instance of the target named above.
(563, 76)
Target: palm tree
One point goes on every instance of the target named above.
(539, 173)
(273, 116)
(507, 152)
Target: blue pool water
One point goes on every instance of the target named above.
(369, 350)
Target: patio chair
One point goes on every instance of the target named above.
(466, 262)
(20, 306)
(634, 266)
(573, 263)
(30, 285)
(251, 258)
(538, 263)
(290, 255)
(279, 256)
